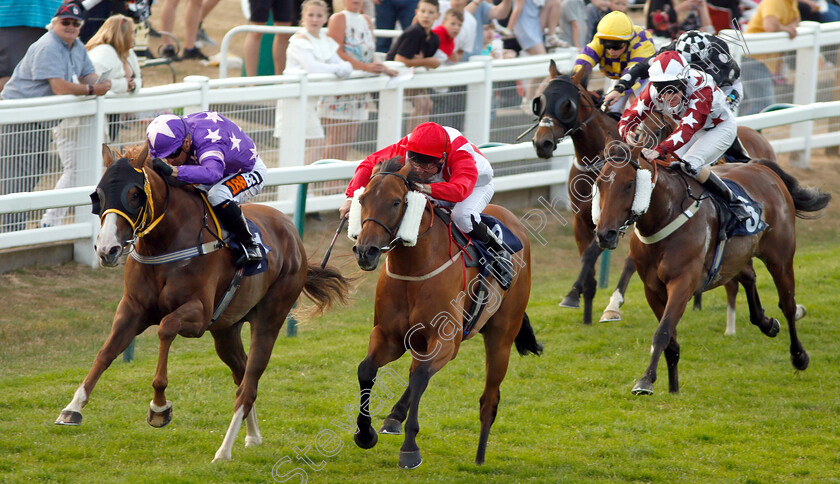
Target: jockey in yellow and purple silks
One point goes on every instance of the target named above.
(618, 45)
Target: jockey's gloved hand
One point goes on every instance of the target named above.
(650, 154)
(732, 99)
(162, 168)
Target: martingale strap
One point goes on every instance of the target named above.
(671, 227)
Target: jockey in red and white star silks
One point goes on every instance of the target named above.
(691, 98)
(701, 112)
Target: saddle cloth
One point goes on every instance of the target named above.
(235, 245)
(750, 226)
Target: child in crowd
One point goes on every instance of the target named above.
(492, 44)
(446, 32)
(595, 11)
(314, 51)
(416, 47)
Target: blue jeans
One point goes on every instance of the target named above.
(387, 14)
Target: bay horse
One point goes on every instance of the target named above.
(567, 109)
(138, 207)
(418, 292)
(678, 265)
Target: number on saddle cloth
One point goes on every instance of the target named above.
(750, 226)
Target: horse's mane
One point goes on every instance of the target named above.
(392, 166)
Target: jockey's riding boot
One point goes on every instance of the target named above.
(715, 185)
(736, 153)
(502, 264)
(231, 217)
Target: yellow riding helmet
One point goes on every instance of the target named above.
(615, 26)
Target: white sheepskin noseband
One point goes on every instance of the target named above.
(415, 203)
(641, 200)
(644, 190)
(354, 224)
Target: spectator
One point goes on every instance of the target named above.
(453, 19)
(112, 54)
(821, 11)
(775, 16)
(416, 47)
(21, 23)
(595, 11)
(55, 64)
(314, 51)
(667, 20)
(528, 21)
(388, 12)
(465, 40)
(493, 44)
(192, 17)
(484, 12)
(201, 37)
(617, 6)
(734, 7)
(353, 31)
(282, 15)
(572, 27)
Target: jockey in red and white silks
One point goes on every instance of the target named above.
(691, 98)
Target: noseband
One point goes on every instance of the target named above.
(549, 115)
(392, 232)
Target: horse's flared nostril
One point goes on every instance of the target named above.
(114, 252)
(608, 239)
(373, 252)
(548, 145)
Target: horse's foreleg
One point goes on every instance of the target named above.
(731, 295)
(381, 351)
(187, 315)
(125, 327)
(678, 294)
(497, 353)
(613, 310)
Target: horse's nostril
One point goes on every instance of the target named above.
(372, 252)
(547, 144)
(114, 252)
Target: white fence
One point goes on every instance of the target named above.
(480, 97)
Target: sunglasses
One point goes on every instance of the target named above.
(67, 22)
(613, 45)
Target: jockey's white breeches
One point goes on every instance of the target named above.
(238, 187)
(465, 212)
(714, 143)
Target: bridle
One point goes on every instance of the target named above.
(145, 221)
(547, 116)
(392, 232)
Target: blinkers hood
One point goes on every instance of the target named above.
(112, 191)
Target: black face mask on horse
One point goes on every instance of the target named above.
(114, 192)
(560, 101)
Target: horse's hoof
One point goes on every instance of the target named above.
(570, 302)
(252, 441)
(642, 388)
(772, 328)
(610, 316)
(69, 417)
(221, 457)
(411, 459)
(801, 312)
(391, 426)
(366, 439)
(800, 360)
(160, 418)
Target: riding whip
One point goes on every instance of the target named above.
(335, 237)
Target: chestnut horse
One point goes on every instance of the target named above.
(164, 222)
(568, 109)
(677, 266)
(417, 293)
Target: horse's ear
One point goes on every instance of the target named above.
(376, 168)
(405, 170)
(108, 155)
(552, 69)
(144, 155)
(581, 77)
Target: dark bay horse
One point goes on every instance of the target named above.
(421, 300)
(138, 207)
(677, 266)
(567, 109)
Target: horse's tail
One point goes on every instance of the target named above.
(325, 286)
(526, 341)
(805, 200)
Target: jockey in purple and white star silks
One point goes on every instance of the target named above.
(211, 151)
